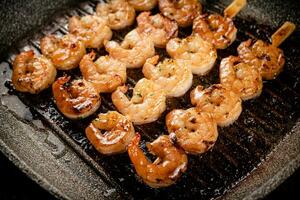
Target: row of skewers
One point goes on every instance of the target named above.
(191, 131)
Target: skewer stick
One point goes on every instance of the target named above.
(234, 8)
(282, 33)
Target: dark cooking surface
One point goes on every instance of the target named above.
(23, 188)
(240, 147)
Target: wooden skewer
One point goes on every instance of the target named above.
(282, 33)
(234, 8)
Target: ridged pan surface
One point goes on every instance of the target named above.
(240, 148)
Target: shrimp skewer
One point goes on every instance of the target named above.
(234, 8)
(118, 13)
(76, 99)
(158, 28)
(32, 73)
(195, 131)
(118, 132)
(171, 162)
(105, 73)
(268, 58)
(282, 33)
(182, 11)
(65, 53)
(224, 105)
(146, 105)
(218, 30)
(193, 51)
(172, 76)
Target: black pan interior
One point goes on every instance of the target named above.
(240, 148)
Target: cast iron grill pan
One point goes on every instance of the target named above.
(240, 148)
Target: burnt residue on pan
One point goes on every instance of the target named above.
(240, 147)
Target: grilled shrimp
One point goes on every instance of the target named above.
(182, 11)
(106, 73)
(193, 51)
(143, 5)
(224, 105)
(146, 105)
(110, 133)
(173, 77)
(133, 51)
(171, 162)
(76, 99)
(195, 131)
(118, 13)
(32, 73)
(65, 53)
(268, 58)
(93, 30)
(159, 28)
(242, 78)
(215, 29)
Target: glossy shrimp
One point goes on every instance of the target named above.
(171, 162)
(143, 5)
(268, 58)
(105, 73)
(172, 76)
(158, 28)
(195, 131)
(242, 78)
(146, 105)
(65, 53)
(76, 99)
(224, 105)
(194, 52)
(118, 13)
(182, 11)
(215, 29)
(32, 73)
(133, 51)
(93, 30)
(110, 133)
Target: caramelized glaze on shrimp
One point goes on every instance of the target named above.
(242, 78)
(194, 52)
(173, 77)
(146, 105)
(143, 5)
(118, 13)
(268, 58)
(65, 53)
(215, 29)
(91, 29)
(76, 99)
(32, 73)
(110, 133)
(157, 27)
(133, 51)
(224, 105)
(182, 11)
(105, 73)
(195, 131)
(171, 162)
